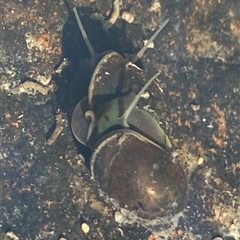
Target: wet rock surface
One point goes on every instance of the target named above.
(46, 190)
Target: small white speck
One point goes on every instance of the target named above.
(151, 45)
(20, 116)
(210, 126)
(195, 107)
(145, 95)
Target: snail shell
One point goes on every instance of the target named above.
(139, 174)
(112, 77)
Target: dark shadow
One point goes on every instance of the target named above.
(74, 79)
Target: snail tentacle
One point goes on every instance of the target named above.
(151, 39)
(94, 56)
(84, 34)
(124, 117)
(90, 114)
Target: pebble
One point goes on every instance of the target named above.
(85, 228)
(195, 107)
(200, 161)
(217, 238)
(128, 17)
(145, 95)
(155, 6)
(12, 236)
(118, 216)
(114, 16)
(43, 80)
(151, 45)
(59, 121)
(65, 62)
(29, 40)
(25, 86)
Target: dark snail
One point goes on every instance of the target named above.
(131, 157)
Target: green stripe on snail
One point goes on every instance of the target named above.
(111, 113)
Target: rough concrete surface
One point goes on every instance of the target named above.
(46, 189)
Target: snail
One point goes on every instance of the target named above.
(131, 157)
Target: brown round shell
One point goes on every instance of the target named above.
(139, 175)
